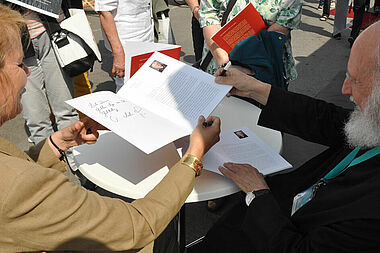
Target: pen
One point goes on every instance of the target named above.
(225, 69)
(207, 124)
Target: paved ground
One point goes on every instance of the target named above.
(321, 63)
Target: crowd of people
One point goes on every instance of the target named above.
(329, 204)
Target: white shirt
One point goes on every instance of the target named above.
(133, 19)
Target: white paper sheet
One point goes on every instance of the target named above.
(180, 92)
(155, 108)
(243, 146)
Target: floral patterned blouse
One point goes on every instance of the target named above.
(286, 13)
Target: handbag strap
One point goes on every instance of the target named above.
(209, 56)
(51, 24)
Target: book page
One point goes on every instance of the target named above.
(243, 146)
(142, 128)
(174, 90)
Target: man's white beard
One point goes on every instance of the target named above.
(363, 128)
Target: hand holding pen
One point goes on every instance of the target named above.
(225, 68)
(207, 124)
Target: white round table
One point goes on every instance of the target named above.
(120, 168)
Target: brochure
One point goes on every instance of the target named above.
(159, 104)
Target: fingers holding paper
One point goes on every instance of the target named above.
(246, 177)
(204, 137)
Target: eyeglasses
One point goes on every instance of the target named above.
(23, 67)
(349, 77)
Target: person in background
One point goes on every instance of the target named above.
(43, 211)
(280, 16)
(359, 8)
(196, 30)
(124, 21)
(325, 10)
(48, 86)
(329, 204)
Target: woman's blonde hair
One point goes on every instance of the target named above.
(11, 25)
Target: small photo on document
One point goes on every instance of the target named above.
(156, 65)
(240, 134)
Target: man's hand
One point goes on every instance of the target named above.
(243, 84)
(118, 66)
(245, 176)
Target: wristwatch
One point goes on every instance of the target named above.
(252, 195)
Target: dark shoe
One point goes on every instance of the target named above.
(337, 36)
(215, 204)
(351, 41)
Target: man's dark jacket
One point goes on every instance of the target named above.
(344, 216)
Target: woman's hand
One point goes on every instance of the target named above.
(83, 131)
(203, 138)
(243, 84)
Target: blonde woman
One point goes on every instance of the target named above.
(40, 210)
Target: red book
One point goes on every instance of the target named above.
(138, 60)
(137, 53)
(246, 23)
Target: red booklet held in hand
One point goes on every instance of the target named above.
(246, 23)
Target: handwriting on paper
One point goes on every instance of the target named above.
(116, 110)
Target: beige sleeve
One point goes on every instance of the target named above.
(44, 156)
(44, 211)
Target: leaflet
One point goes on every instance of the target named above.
(243, 146)
(159, 104)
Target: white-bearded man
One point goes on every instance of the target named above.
(332, 202)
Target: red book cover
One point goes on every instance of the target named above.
(138, 60)
(246, 23)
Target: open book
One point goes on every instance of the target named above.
(246, 23)
(159, 104)
(243, 146)
(137, 53)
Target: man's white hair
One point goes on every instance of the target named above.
(363, 127)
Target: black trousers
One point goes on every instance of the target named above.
(226, 235)
(198, 39)
(359, 9)
(326, 8)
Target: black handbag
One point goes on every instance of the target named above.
(206, 61)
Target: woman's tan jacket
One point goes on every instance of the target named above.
(41, 210)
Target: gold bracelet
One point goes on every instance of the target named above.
(194, 163)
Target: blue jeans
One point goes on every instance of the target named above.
(47, 84)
